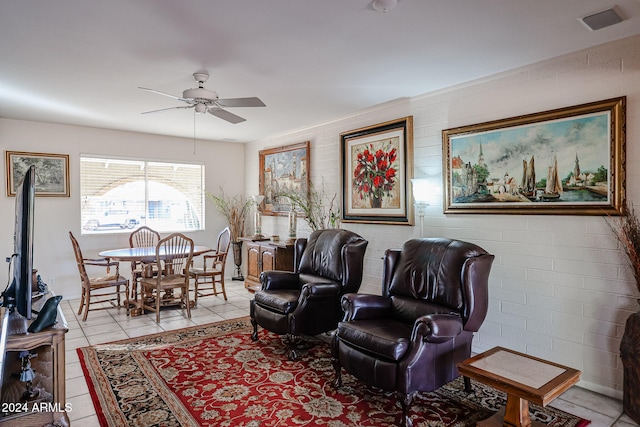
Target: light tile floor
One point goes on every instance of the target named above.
(110, 325)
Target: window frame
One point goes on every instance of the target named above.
(195, 203)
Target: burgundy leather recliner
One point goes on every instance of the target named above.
(307, 301)
(409, 339)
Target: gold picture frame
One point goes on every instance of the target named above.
(284, 170)
(568, 161)
(52, 172)
(377, 167)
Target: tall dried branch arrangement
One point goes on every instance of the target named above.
(627, 228)
(234, 208)
(319, 210)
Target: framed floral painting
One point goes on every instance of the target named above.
(377, 167)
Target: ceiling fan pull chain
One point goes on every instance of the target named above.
(194, 132)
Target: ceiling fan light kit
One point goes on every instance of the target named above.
(207, 101)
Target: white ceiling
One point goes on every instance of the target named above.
(81, 62)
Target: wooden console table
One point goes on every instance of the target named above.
(263, 256)
(524, 378)
(49, 407)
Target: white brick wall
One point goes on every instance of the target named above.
(559, 288)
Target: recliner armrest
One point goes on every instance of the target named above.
(320, 290)
(276, 279)
(437, 328)
(365, 306)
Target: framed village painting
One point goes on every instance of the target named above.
(377, 167)
(568, 161)
(284, 170)
(52, 172)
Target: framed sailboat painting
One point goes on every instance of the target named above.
(568, 161)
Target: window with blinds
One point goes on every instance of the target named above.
(122, 194)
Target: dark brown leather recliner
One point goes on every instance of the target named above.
(409, 339)
(307, 300)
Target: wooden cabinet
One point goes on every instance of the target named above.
(47, 347)
(265, 256)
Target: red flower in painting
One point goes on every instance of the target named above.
(374, 175)
(391, 173)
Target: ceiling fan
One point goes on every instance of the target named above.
(207, 101)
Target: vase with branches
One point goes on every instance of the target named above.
(627, 229)
(319, 209)
(235, 209)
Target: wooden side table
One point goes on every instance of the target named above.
(264, 256)
(524, 378)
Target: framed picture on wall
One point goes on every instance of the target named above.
(52, 172)
(377, 167)
(283, 170)
(567, 161)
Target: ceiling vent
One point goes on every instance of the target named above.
(602, 19)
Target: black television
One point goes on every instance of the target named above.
(18, 295)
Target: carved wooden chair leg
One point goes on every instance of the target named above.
(405, 402)
(254, 322)
(290, 344)
(224, 291)
(337, 379)
(195, 294)
(292, 354)
(83, 295)
(254, 335)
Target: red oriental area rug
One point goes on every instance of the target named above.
(214, 375)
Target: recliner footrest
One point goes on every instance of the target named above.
(282, 300)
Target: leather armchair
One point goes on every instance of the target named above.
(307, 300)
(410, 338)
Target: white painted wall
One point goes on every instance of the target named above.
(56, 216)
(559, 288)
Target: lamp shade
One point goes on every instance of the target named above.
(422, 190)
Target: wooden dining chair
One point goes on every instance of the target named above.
(99, 290)
(174, 254)
(212, 270)
(142, 237)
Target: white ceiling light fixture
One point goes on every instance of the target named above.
(384, 5)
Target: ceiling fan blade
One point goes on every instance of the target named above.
(225, 115)
(162, 93)
(240, 102)
(170, 108)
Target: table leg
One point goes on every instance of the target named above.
(517, 412)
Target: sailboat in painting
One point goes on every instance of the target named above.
(553, 190)
(528, 185)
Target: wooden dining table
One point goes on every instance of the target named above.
(145, 254)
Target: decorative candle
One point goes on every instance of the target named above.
(293, 219)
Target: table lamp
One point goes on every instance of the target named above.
(421, 194)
